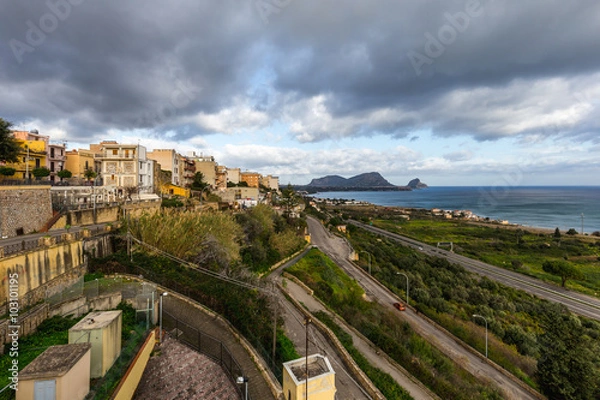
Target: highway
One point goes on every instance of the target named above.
(339, 251)
(578, 303)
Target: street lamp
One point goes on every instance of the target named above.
(160, 334)
(364, 251)
(244, 380)
(486, 332)
(407, 297)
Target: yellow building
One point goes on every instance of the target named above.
(33, 153)
(174, 190)
(79, 161)
(60, 372)
(321, 379)
(251, 178)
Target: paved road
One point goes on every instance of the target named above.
(578, 303)
(346, 386)
(338, 250)
(417, 390)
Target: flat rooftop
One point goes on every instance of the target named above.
(96, 320)
(55, 361)
(317, 365)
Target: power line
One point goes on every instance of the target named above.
(200, 269)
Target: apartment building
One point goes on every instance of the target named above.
(251, 178)
(33, 153)
(234, 175)
(270, 182)
(125, 165)
(57, 159)
(221, 178)
(208, 166)
(81, 160)
(169, 160)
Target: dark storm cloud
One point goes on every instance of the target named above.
(484, 68)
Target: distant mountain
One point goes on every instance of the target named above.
(416, 184)
(372, 181)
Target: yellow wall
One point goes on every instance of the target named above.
(175, 190)
(131, 380)
(38, 267)
(76, 162)
(37, 150)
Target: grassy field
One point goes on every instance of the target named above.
(517, 248)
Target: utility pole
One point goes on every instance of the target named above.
(27, 163)
(307, 321)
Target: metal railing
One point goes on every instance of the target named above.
(38, 242)
(206, 344)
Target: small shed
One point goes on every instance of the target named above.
(321, 378)
(59, 373)
(103, 330)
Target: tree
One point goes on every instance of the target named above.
(565, 367)
(40, 172)
(198, 183)
(562, 269)
(129, 191)
(289, 198)
(64, 174)
(7, 171)
(90, 174)
(572, 231)
(9, 147)
(557, 233)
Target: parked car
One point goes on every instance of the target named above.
(400, 306)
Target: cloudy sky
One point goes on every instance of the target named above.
(469, 92)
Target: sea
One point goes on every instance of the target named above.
(549, 207)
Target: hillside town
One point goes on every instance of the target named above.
(109, 172)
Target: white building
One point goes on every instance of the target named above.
(125, 166)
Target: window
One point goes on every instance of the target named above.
(115, 152)
(37, 162)
(52, 167)
(87, 165)
(52, 152)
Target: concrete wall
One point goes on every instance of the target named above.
(86, 217)
(25, 208)
(131, 380)
(39, 269)
(28, 321)
(47, 270)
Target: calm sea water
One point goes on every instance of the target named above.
(536, 206)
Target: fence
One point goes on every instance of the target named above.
(205, 344)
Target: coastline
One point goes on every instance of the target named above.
(457, 215)
(533, 208)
